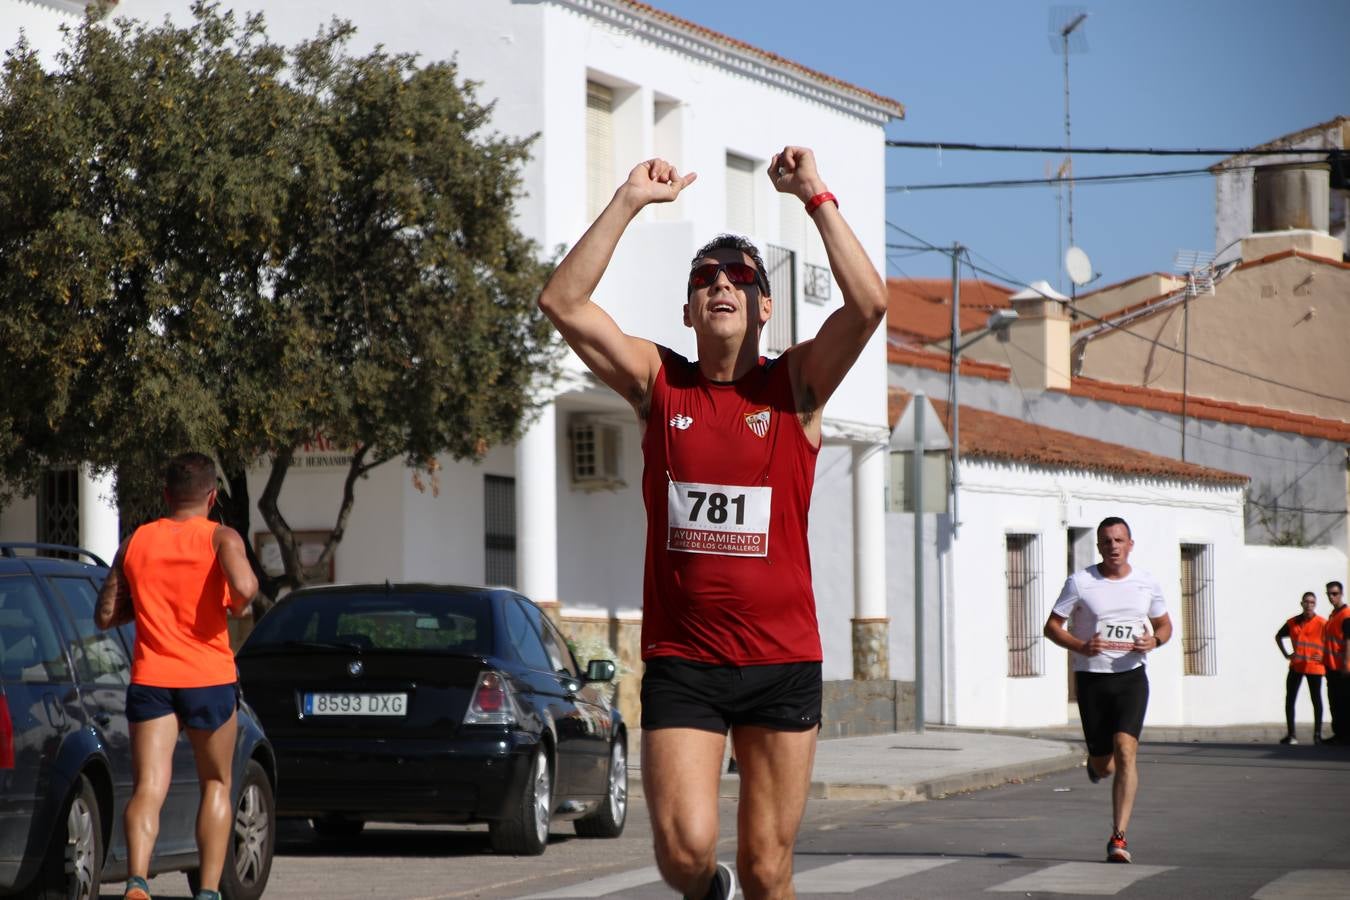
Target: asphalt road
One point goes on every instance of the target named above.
(1213, 820)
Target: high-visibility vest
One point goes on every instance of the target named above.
(1335, 637)
(1309, 640)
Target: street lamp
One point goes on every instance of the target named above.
(999, 321)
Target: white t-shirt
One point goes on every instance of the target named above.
(1119, 609)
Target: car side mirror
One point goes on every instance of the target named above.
(600, 670)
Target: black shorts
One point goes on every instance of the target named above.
(1111, 703)
(205, 708)
(678, 693)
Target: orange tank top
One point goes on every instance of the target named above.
(182, 602)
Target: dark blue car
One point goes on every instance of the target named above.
(435, 703)
(65, 757)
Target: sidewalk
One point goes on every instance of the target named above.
(909, 766)
(945, 760)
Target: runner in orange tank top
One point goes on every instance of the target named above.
(180, 578)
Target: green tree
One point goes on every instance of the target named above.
(211, 241)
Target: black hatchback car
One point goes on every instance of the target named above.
(65, 749)
(431, 703)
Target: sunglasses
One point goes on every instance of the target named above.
(738, 273)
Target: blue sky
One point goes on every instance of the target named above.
(1155, 73)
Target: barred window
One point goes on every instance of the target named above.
(499, 529)
(1197, 610)
(780, 332)
(1024, 605)
(58, 507)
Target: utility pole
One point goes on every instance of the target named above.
(954, 413)
(919, 403)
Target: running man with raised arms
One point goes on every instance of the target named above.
(729, 632)
(1119, 616)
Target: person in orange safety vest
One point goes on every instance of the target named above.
(1307, 633)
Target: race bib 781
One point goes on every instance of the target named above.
(727, 520)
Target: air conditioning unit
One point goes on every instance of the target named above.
(597, 446)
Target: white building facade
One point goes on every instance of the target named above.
(1027, 521)
(605, 84)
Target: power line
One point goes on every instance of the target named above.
(1040, 182)
(1112, 151)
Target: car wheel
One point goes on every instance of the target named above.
(336, 828)
(73, 867)
(608, 820)
(526, 833)
(248, 857)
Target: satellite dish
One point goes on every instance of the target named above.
(1079, 267)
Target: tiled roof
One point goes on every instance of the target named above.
(941, 362)
(1280, 143)
(1143, 305)
(894, 107)
(1144, 398)
(1212, 410)
(920, 309)
(986, 435)
(1126, 283)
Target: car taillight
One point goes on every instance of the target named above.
(492, 702)
(6, 735)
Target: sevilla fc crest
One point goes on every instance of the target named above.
(758, 422)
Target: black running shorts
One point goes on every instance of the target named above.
(677, 693)
(1110, 703)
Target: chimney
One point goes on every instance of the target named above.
(1039, 339)
(1291, 196)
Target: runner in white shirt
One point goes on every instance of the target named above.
(1119, 615)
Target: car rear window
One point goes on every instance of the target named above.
(30, 650)
(459, 622)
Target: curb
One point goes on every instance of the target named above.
(937, 788)
(931, 789)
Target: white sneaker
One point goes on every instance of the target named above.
(723, 885)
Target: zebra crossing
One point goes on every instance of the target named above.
(886, 876)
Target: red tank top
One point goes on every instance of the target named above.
(181, 600)
(727, 485)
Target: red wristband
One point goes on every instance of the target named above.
(823, 197)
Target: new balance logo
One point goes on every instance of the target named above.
(681, 422)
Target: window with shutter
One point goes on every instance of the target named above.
(600, 182)
(740, 195)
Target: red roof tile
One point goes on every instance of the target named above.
(986, 435)
(1143, 305)
(920, 309)
(894, 107)
(1212, 410)
(1144, 398)
(941, 362)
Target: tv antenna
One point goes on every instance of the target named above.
(1066, 37)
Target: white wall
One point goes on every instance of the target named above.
(533, 61)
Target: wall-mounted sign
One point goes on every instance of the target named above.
(320, 452)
